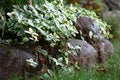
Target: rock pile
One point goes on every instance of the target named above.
(92, 50)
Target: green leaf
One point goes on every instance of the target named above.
(20, 33)
(25, 39)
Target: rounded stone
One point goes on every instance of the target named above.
(85, 53)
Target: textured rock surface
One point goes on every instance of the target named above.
(108, 47)
(85, 25)
(12, 61)
(113, 4)
(86, 55)
(104, 49)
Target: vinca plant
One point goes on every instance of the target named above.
(52, 21)
(48, 21)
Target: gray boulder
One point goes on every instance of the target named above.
(84, 55)
(87, 25)
(13, 61)
(104, 49)
(112, 4)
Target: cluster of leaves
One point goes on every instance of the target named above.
(52, 21)
(2, 18)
